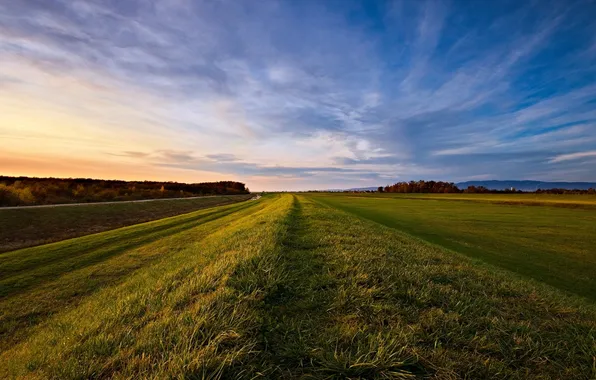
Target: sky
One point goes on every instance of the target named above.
(297, 95)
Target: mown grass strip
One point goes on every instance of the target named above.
(176, 317)
(21, 228)
(31, 306)
(23, 269)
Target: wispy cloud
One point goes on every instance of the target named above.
(304, 94)
(573, 156)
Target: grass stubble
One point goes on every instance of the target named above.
(287, 287)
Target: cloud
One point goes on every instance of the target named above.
(573, 156)
(226, 163)
(131, 154)
(222, 157)
(304, 93)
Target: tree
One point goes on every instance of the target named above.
(380, 189)
(24, 190)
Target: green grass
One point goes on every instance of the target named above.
(587, 201)
(555, 245)
(37, 282)
(21, 228)
(284, 287)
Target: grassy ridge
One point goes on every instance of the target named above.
(23, 228)
(551, 244)
(287, 287)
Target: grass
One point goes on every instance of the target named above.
(37, 282)
(285, 287)
(21, 228)
(554, 245)
(586, 201)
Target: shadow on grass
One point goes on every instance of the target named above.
(299, 329)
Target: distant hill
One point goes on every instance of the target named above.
(527, 185)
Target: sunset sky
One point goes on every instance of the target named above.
(298, 94)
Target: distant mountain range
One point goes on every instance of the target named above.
(527, 185)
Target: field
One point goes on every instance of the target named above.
(585, 201)
(549, 238)
(289, 286)
(20, 228)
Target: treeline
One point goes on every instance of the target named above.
(450, 187)
(421, 187)
(23, 191)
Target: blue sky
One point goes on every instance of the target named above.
(299, 94)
